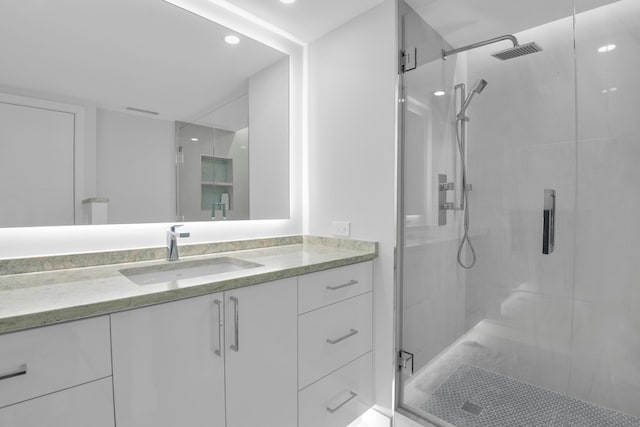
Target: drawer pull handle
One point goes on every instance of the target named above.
(351, 283)
(22, 370)
(352, 396)
(351, 333)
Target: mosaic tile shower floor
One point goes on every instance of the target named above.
(473, 396)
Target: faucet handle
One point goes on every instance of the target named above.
(173, 230)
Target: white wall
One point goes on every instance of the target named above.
(268, 142)
(575, 310)
(352, 86)
(136, 167)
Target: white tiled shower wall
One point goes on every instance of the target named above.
(582, 320)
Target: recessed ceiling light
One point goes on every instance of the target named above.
(287, 1)
(194, 139)
(231, 39)
(607, 48)
(439, 93)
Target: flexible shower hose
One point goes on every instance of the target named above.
(465, 202)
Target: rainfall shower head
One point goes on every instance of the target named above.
(517, 50)
(513, 52)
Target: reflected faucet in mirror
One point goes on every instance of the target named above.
(172, 242)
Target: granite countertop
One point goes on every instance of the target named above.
(38, 298)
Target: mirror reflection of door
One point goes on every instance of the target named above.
(40, 190)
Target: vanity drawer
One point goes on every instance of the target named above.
(332, 337)
(82, 406)
(43, 360)
(340, 398)
(320, 289)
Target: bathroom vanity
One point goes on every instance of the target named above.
(284, 339)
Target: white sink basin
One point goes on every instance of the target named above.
(178, 270)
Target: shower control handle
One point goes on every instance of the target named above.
(549, 221)
(446, 186)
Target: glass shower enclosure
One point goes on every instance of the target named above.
(519, 190)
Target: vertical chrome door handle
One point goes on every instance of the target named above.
(549, 221)
(22, 370)
(218, 351)
(236, 324)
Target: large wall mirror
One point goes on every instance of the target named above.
(120, 111)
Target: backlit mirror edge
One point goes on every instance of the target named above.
(21, 242)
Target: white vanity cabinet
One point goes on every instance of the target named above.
(261, 375)
(168, 364)
(335, 345)
(221, 359)
(81, 406)
(57, 376)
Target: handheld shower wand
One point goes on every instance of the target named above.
(461, 137)
(478, 89)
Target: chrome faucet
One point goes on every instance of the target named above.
(172, 243)
(219, 206)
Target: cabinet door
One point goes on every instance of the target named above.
(168, 367)
(86, 405)
(261, 352)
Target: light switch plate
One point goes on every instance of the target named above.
(341, 228)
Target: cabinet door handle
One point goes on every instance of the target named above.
(236, 321)
(351, 283)
(351, 333)
(22, 370)
(352, 396)
(218, 351)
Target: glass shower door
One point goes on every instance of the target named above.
(489, 345)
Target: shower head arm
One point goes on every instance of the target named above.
(513, 39)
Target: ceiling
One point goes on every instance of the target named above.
(146, 54)
(306, 20)
(462, 22)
